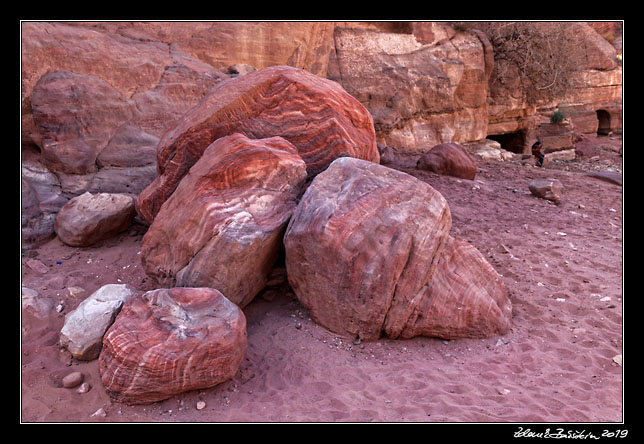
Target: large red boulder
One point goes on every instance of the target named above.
(316, 115)
(169, 341)
(368, 253)
(362, 243)
(223, 226)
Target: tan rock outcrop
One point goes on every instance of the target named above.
(422, 88)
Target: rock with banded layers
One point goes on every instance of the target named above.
(169, 341)
(223, 226)
(465, 298)
(316, 115)
(368, 253)
(363, 241)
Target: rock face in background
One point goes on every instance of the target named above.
(366, 241)
(223, 226)
(314, 114)
(76, 116)
(102, 100)
(169, 341)
(424, 86)
(222, 44)
(424, 83)
(147, 71)
(599, 89)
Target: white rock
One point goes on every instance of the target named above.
(84, 388)
(75, 292)
(82, 333)
(99, 412)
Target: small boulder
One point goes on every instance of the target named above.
(90, 218)
(448, 159)
(84, 327)
(240, 69)
(547, 188)
(386, 154)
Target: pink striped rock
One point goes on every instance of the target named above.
(170, 341)
(315, 114)
(364, 245)
(465, 298)
(362, 242)
(223, 226)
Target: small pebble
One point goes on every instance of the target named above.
(201, 405)
(72, 380)
(99, 412)
(84, 388)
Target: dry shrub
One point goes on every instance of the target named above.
(538, 58)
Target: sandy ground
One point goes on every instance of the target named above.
(562, 265)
